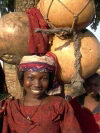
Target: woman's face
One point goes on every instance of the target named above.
(35, 83)
(93, 86)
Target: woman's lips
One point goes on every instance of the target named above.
(36, 91)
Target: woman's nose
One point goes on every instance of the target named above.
(37, 83)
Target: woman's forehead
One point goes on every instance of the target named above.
(36, 73)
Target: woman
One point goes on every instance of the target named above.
(38, 112)
(87, 106)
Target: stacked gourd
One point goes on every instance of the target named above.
(14, 33)
(61, 14)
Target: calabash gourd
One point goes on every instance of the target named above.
(60, 13)
(90, 60)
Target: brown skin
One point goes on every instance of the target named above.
(93, 86)
(92, 90)
(35, 84)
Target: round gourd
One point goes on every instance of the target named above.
(90, 60)
(61, 12)
(14, 34)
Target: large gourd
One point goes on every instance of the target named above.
(14, 34)
(60, 13)
(90, 50)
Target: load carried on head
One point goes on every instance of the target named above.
(60, 21)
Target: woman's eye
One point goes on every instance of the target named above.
(45, 78)
(30, 78)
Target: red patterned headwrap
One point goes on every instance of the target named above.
(46, 63)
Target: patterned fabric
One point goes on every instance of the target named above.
(37, 64)
(38, 43)
(56, 116)
(46, 63)
(37, 67)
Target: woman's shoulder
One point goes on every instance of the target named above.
(5, 100)
(58, 102)
(56, 105)
(57, 99)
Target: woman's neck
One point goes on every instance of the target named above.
(90, 102)
(32, 101)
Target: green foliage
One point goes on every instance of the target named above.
(97, 17)
(7, 6)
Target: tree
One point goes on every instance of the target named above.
(97, 18)
(22, 5)
(6, 6)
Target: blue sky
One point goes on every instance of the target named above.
(97, 32)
